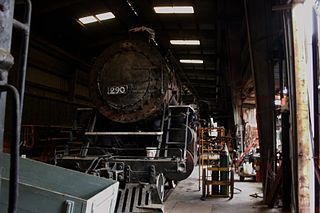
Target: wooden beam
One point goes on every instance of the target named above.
(258, 28)
(274, 189)
(304, 157)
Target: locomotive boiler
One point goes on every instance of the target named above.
(131, 81)
(138, 133)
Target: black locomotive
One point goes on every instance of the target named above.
(138, 134)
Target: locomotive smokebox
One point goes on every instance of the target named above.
(130, 81)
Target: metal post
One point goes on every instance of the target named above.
(288, 36)
(25, 28)
(6, 59)
(304, 159)
(286, 162)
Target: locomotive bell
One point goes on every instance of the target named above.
(130, 81)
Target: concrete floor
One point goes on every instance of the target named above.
(186, 199)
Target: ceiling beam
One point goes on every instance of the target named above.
(50, 6)
(201, 77)
(201, 72)
(211, 86)
(204, 57)
(186, 34)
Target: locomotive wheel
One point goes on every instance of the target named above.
(160, 186)
(178, 176)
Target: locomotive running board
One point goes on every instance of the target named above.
(136, 197)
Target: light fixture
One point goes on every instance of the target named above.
(105, 16)
(185, 42)
(174, 9)
(88, 19)
(97, 17)
(191, 61)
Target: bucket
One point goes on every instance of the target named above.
(151, 152)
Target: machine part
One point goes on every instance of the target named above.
(14, 151)
(115, 171)
(128, 78)
(138, 197)
(185, 169)
(6, 62)
(133, 170)
(160, 186)
(152, 175)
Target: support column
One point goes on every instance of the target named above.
(6, 62)
(6, 59)
(259, 35)
(302, 67)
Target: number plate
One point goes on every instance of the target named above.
(117, 90)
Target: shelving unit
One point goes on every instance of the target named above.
(216, 176)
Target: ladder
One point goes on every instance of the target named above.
(178, 111)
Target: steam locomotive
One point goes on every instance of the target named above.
(138, 132)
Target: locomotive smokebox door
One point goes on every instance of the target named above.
(129, 78)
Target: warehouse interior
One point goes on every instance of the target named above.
(112, 78)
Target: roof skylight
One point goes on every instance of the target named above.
(185, 42)
(174, 9)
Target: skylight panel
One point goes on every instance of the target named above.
(105, 16)
(191, 61)
(88, 19)
(173, 9)
(185, 42)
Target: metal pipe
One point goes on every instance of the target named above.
(287, 185)
(19, 25)
(315, 118)
(26, 29)
(14, 151)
